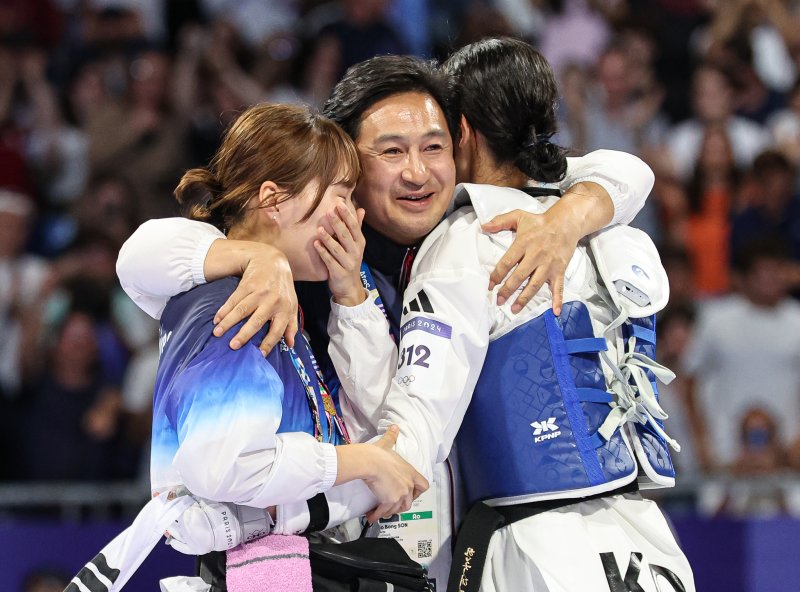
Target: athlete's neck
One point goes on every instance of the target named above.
(487, 170)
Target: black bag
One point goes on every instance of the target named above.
(365, 565)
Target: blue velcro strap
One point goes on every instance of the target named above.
(596, 440)
(566, 383)
(644, 334)
(585, 345)
(593, 395)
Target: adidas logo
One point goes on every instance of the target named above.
(420, 303)
(545, 430)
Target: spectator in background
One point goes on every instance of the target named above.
(584, 20)
(85, 92)
(45, 580)
(89, 283)
(13, 165)
(57, 151)
(774, 208)
(760, 454)
(761, 31)
(761, 450)
(23, 281)
(108, 207)
(480, 21)
(675, 326)
(711, 193)
(142, 137)
(745, 353)
(72, 411)
(713, 104)
(785, 126)
(360, 32)
(255, 21)
(678, 265)
(612, 112)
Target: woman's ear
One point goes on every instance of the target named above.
(268, 199)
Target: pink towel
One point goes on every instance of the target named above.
(275, 562)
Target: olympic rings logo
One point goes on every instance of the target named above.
(406, 380)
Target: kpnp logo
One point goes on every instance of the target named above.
(545, 430)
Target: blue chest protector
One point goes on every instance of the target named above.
(531, 430)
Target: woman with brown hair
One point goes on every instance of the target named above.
(228, 424)
(265, 433)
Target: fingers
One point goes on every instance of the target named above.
(535, 283)
(258, 313)
(376, 514)
(507, 221)
(525, 268)
(557, 288)
(508, 261)
(421, 485)
(389, 438)
(232, 312)
(334, 247)
(294, 322)
(277, 329)
(352, 221)
(174, 541)
(328, 259)
(341, 229)
(387, 510)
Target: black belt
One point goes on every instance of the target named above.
(480, 523)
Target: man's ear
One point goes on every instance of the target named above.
(467, 133)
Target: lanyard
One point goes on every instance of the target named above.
(369, 284)
(329, 408)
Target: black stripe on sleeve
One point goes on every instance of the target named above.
(88, 579)
(426, 303)
(101, 563)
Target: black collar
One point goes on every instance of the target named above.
(541, 191)
(381, 253)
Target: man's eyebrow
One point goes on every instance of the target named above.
(436, 133)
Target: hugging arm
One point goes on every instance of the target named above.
(602, 188)
(168, 256)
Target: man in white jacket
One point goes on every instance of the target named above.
(555, 420)
(392, 106)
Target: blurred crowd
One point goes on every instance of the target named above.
(103, 103)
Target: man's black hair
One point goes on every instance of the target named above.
(372, 80)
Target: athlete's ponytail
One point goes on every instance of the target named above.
(542, 160)
(506, 90)
(195, 193)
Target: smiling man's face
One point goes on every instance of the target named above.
(408, 174)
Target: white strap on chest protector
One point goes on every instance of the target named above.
(629, 266)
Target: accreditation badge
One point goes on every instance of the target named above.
(416, 530)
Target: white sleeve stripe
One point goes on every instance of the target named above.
(79, 585)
